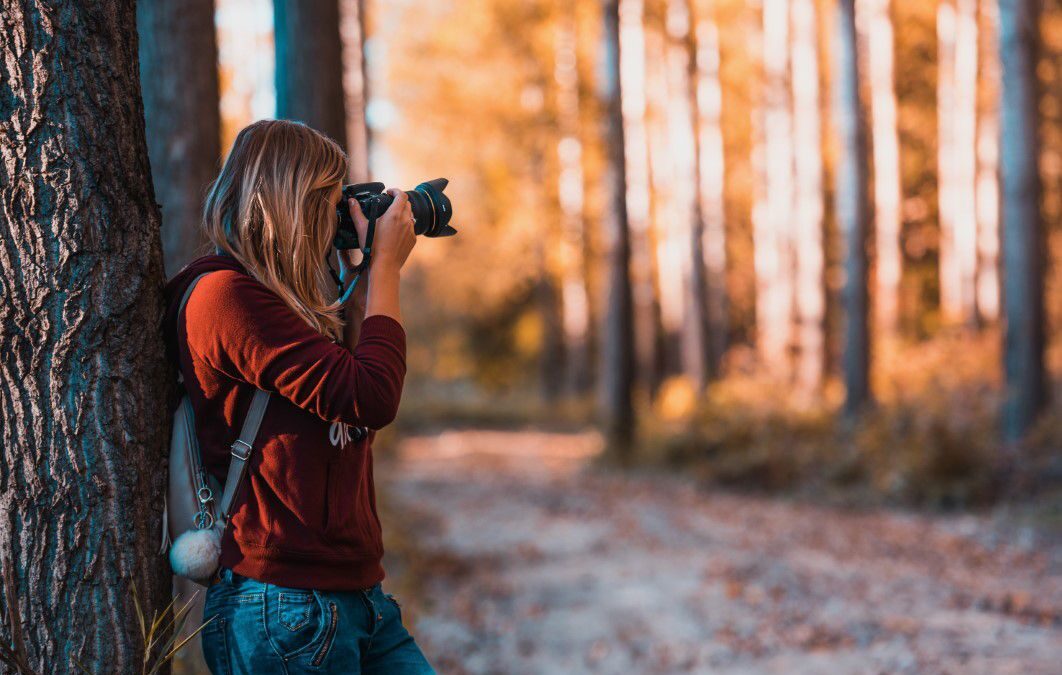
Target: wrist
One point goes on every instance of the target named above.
(384, 266)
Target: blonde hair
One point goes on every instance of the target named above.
(272, 208)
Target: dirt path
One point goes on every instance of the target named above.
(534, 564)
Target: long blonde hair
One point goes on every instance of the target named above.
(272, 208)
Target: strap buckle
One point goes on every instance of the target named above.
(241, 453)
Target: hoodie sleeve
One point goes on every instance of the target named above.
(243, 329)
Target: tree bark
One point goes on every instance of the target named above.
(1023, 237)
(852, 210)
(179, 78)
(310, 65)
(617, 349)
(84, 385)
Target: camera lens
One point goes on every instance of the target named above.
(431, 209)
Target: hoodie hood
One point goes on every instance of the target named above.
(177, 285)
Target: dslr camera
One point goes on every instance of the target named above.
(431, 210)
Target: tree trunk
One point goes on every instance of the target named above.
(84, 385)
(643, 272)
(957, 131)
(773, 250)
(617, 348)
(706, 96)
(179, 78)
(575, 306)
(887, 191)
(807, 217)
(1023, 238)
(988, 168)
(310, 65)
(354, 28)
(852, 210)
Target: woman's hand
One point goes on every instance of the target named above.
(391, 245)
(394, 237)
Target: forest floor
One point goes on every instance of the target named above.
(519, 555)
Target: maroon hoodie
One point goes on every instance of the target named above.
(305, 515)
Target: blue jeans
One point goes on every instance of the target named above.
(265, 629)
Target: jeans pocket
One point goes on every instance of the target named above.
(296, 621)
(294, 609)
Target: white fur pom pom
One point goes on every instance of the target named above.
(194, 554)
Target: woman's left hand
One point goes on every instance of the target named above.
(350, 258)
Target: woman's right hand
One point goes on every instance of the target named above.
(394, 237)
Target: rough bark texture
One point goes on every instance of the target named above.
(617, 350)
(179, 78)
(84, 386)
(852, 209)
(1023, 290)
(310, 65)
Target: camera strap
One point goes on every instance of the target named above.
(366, 252)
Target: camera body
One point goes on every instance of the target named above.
(431, 210)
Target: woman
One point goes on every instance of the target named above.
(299, 585)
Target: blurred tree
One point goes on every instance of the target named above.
(706, 98)
(1023, 237)
(575, 304)
(773, 245)
(852, 209)
(957, 162)
(179, 80)
(987, 285)
(617, 349)
(809, 283)
(876, 24)
(309, 73)
(84, 382)
(353, 31)
(644, 267)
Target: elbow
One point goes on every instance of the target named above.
(377, 411)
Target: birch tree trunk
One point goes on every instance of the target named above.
(353, 31)
(879, 38)
(807, 218)
(309, 74)
(1023, 237)
(617, 343)
(179, 78)
(988, 168)
(957, 131)
(84, 385)
(773, 252)
(852, 210)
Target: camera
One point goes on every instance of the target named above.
(431, 210)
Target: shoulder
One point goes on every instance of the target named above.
(228, 300)
(223, 288)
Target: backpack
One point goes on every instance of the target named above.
(193, 509)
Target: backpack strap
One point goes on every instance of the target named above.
(241, 452)
(243, 446)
